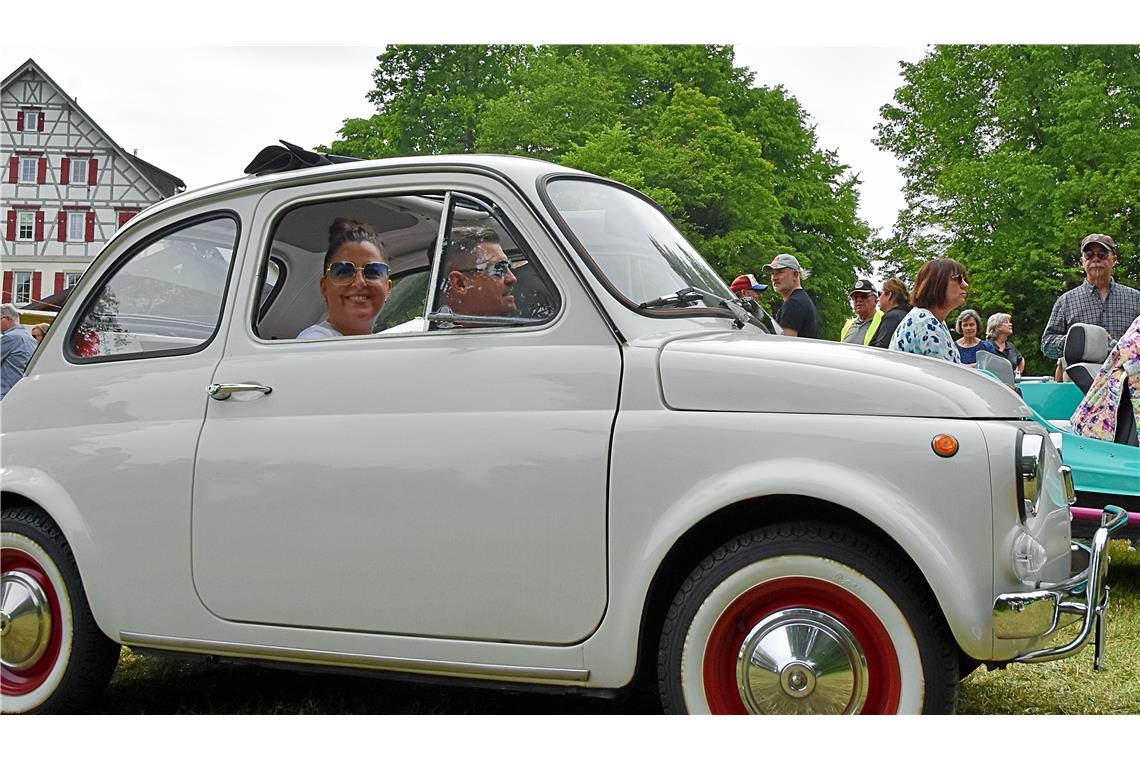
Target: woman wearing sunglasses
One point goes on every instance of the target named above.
(939, 289)
(354, 284)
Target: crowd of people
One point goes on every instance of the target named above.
(915, 321)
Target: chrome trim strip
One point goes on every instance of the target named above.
(349, 660)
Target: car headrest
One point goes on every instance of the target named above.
(996, 365)
(1086, 344)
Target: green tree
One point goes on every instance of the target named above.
(735, 166)
(1011, 154)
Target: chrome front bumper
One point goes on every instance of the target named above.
(1084, 598)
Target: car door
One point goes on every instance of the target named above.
(447, 483)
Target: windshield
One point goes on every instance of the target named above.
(634, 245)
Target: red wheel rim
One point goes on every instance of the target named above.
(14, 683)
(728, 634)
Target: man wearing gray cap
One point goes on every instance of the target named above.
(797, 316)
(1099, 300)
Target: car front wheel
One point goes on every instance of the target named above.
(805, 618)
(54, 657)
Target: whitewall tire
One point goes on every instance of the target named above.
(805, 618)
(53, 657)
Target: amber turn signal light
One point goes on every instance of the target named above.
(944, 445)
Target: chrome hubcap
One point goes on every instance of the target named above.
(801, 661)
(25, 620)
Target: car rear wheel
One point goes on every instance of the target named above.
(53, 657)
(805, 618)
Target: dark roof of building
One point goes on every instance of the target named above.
(166, 183)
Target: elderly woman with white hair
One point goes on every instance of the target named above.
(998, 329)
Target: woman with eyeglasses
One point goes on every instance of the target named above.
(354, 284)
(939, 289)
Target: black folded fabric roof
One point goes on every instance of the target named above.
(275, 158)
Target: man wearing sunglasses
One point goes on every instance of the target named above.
(479, 278)
(1099, 300)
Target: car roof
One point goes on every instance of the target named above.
(523, 172)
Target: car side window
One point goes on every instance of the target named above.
(403, 233)
(486, 275)
(166, 298)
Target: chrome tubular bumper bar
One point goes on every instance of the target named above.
(1038, 613)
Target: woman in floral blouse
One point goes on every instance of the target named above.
(939, 289)
(1096, 415)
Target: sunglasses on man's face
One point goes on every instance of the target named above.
(1098, 253)
(344, 272)
(498, 269)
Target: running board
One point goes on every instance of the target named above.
(485, 671)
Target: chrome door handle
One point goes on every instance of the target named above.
(222, 391)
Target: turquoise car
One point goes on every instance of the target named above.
(1104, 472)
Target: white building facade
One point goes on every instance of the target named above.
(65, 187)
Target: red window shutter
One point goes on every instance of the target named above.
(40, 126)
(7, 287)
(61, 224)
(90, 236)
(92, 171)
(20, 121)
(11, 235)
(65, 171)
(39, 225)
(14, 169)
(41, 175)
(59, 281)
(37, 285)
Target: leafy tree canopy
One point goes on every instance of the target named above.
(736, 166)
(1011, 154)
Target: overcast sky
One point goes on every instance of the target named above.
(228, 80)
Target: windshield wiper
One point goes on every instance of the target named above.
(682, 297)
(741, 314)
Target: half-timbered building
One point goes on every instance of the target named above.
(66, 187)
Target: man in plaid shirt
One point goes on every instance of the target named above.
(1099, 300)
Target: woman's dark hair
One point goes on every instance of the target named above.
(343, 231)
(897, 288)
(930, 284)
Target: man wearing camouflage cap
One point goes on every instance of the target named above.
(1099, 300)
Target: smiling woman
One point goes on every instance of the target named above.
(354, 285)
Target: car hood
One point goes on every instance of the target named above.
(746, 372)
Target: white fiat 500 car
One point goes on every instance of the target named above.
(603, 468)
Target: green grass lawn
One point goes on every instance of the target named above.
(165, 686)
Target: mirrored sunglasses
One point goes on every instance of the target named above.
(498, 269)
(342, 272)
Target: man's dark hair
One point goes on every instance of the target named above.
(459, 248)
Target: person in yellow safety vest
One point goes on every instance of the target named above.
(861, 328)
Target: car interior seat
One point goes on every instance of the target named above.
(1086, 348)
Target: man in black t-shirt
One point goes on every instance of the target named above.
(797, 316)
